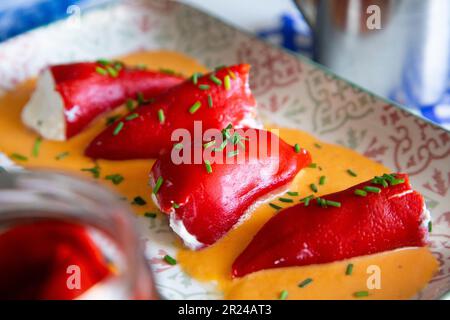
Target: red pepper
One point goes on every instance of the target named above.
(362, 225)
(208, 200)
(87, 93)
(209, 101)
(35, 257)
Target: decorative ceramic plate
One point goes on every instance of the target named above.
(291, 91)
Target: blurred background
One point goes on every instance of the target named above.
(399, 49)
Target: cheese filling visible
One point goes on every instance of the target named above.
(44, 112)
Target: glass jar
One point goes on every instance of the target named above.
(37, 198)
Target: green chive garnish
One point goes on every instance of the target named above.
(103, 62)
(306, 200)
(321, 202)
(372, 189)
(141, 66)
(101, 71)
(170, 260)
(361, 294)
(313, 187)
(380, 181)
(318, 146)
(115, 178)
(232, 153)
(118, 128)
(19, 157)
(132, 116)
(430, 226)
(312, 165)
(150, 215)
(204, 87)
(208, 166)
(227, 82)
(286, 200)
(112, 119)
(112, 72)
(178, 146)
(397, 181)
(210, 101)
(139, 201)
(305, 282)
(360, 193)
(209, 144)
(175, 205)
(297, 148)
(351, 172)
(158, 185)
(167, 71)
(36, 147)
(349, 269)
(94, 170)
(275, 206)
(333, 203)
(292, 193)
(283, 295)
(161, 116)
(195, 107)
(216, 80)
(322, 180)
(129, 104)
(140, 98)
(61, 155)
(194, 78)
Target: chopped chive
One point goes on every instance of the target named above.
(118, 128)
(140, 98)
(333, 203)
(283, 295)
(101, 71)
(161, 116)
(94, 170)
(195, 107)
(167, 71)
(103, 62)
(194, 78)
(170, 260)
(216, 80)
(297, 148)
(430, 226)
(141, 66)
(61, 155)
(321, 202)
(380, 180)
(351, 172)
(232, 75)
(318, 146)
(158, 185)
(361, 294)
(388, 177)
(115, 178)
(204, 87)
(175, 205)
(132, 116)
(139, 201)
(397, 181)
(312, 165)
(209, 144)
(112, 72)
(275, 206)
(178, 146)
(232, 153)
(208, 166)
(288, 200)
(349, 269)
(292, 193)
(112, 119)
(129, 104)
(222, 146)
(313, 187)
(227, 82)
(19, 157)
(322, 180)
(305, 282)
(36, 147)
(307, 199)
(150, 215)
(210, 101)
(372, 189)
(360, 192)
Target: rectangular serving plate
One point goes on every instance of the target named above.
(291, 91)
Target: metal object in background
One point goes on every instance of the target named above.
(410, 52)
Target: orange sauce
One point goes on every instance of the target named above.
(403, 272)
